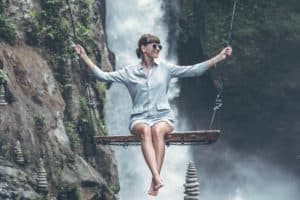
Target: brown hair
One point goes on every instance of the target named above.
(144, 40)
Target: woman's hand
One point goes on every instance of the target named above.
(227, 51)
(80, 51)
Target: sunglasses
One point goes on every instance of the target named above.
(157, 46)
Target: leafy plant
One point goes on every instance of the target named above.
(39, 121)
(5, 149)
(84, 105)
(8, 30)
(72, 134)
(101, 88)
(3, 76)
(85, 12)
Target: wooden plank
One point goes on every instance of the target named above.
(179, 138)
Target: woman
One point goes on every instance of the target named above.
(151, 118)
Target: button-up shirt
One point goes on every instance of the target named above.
(149, 92)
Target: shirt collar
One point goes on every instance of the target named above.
(155, 64)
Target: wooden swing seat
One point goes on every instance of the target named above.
(199, 137)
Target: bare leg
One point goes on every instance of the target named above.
(144, 131)
(158, 132)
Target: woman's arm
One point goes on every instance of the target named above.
(200, 68)
(227, 51)
(81, 52)
(116, 76)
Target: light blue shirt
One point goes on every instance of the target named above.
(149, 94)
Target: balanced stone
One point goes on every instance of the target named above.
(2, 96)
(41, 179)
(192, 185)
(191, 180)
(18, 153)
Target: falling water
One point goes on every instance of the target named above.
(126, 21)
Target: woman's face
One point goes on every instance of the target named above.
(151, 50)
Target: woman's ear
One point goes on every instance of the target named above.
(143, 48)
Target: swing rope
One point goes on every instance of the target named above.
(88, 96)
(218, 101)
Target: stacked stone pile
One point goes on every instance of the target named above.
(19, 154)
(2, 96)
(192, 185)
(41, 179)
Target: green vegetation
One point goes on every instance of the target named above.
(86, 118)
(114, 189)
(101, 89)
(84, 107)
(265, 40)
(8, 30)
(27, 154)
(73, 135)
(3, 76)
(32, 31)
(87, 121)
(189, 19)
(103, 128)
(52, 27)
(86, 128)
(71, 161)
(259, 28)
(68, 191)
(43, 197)
(39, 121)
(66, 89)
(5, 150)
(85, 7)
(57, 163)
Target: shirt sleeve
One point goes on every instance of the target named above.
(116, 76)
(188, 71)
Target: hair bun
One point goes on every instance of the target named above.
(138, 52)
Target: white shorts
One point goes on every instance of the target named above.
(150, 122)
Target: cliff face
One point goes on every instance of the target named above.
(259, 115)
(47, 110)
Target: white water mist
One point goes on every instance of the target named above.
(243, 176)
(126, 21)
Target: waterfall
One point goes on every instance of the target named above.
(126, 21)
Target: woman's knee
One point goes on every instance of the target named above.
(146, 134)
(159, 130)
(143, 130)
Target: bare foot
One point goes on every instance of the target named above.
(151, 191)
(157, 183)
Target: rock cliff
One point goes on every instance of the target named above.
(48, 110)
